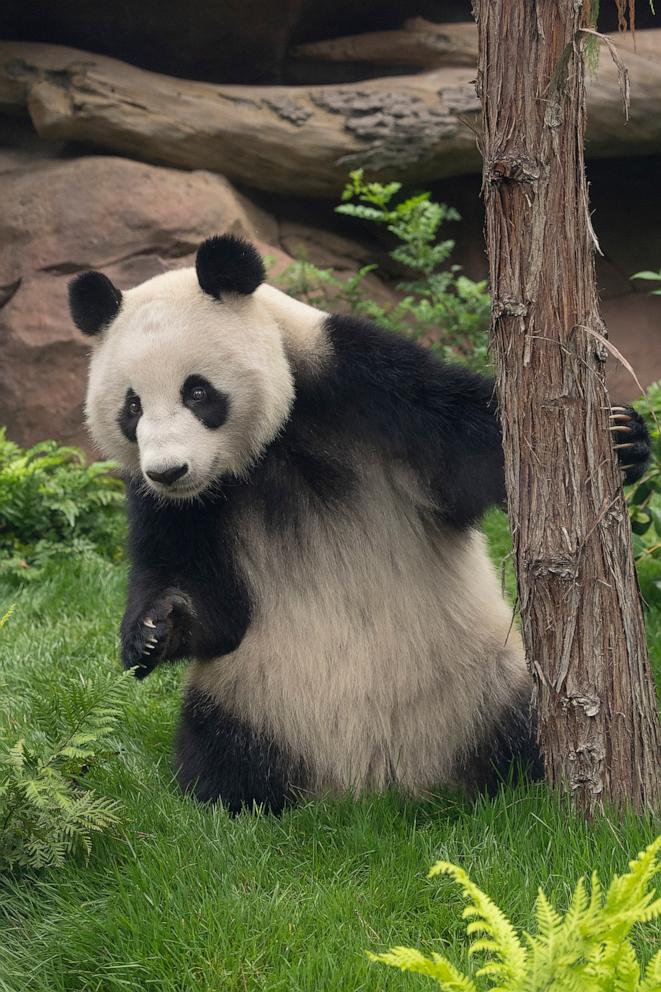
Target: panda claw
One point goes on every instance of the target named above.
(148, 622)
(629, 444)
(621, 427)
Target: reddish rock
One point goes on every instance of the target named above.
(131, 220)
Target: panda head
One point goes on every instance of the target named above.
(190, 376)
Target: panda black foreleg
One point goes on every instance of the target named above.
(156, 626)
(220, 758)
(185, 595)
(168, 622)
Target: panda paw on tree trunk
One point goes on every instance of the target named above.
(631, 441)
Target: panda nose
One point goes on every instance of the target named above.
(169, 476)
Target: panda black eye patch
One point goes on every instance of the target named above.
(130, 415)
(207, 403)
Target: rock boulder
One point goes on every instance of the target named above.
(131, 220)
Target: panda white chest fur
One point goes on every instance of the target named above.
(302, 493)
(379, 646)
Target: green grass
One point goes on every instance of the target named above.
(186, 899)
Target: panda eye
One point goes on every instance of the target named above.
(204, 401)
(134, 407)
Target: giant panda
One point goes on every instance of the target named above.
(303, 494)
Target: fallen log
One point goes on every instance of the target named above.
(419, 44)
(302, 140)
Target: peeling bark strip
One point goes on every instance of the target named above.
(297, 139)
(580, 607)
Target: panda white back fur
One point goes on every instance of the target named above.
(302, 490)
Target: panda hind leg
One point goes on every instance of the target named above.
(221, 759)
(509, 753)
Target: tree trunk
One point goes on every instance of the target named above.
(578, 595)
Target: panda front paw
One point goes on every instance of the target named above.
(160, 633)
(631, 442)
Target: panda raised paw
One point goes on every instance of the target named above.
(632, 442)
(160, 633)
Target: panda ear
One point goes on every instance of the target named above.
(226, 264)
(94, 301)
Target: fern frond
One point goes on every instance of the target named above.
(627, 972)
(547, 917)
(596, 893)
(509, 952)
(578, 906)
(483, 946)
(5, 618)
(625, 888)
(652, 980)
(629, 898)
(549, 931)
(436, 967)
(46, 811)
(15, 756)
(586, 950)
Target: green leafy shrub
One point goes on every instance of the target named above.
(305, 281)
(439, 304)
(651, 277)
(585, 950)
(48, 812)
(644, 500)
(53, 503)
(438, 299)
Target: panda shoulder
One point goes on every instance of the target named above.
(372, 358)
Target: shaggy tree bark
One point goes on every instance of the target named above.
(578, 595)
(296, 139)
